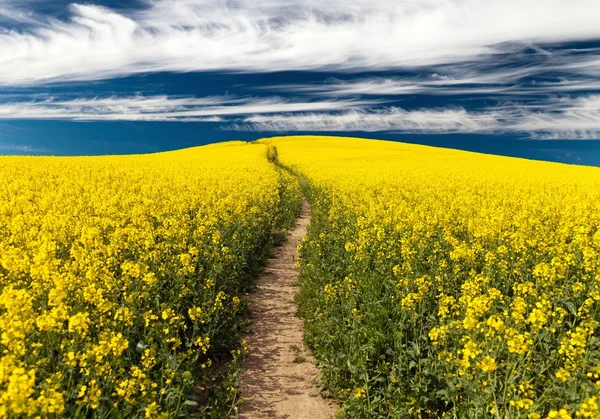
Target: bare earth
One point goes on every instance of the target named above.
(279, 380)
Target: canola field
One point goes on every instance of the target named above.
(440, 283)
(434, 282)
(120, 278)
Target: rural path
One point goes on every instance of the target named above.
(279, 376)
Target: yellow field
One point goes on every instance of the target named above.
(444, 283)
(435, 283)
(119, 276)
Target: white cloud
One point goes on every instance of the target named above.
(377, 86)
(19, 11)
(270, 35)
(388, 119)
(20, 149)
(561, 117)
(500, 76)
(161, 108)
(564, 118)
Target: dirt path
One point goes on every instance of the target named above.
(279, 380)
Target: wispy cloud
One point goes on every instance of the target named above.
(559, 117)
(388, 119)
(509, 75)
(162, 108)
(11, 148)
(22, 12)
(272, 35)
(564, 118)
(435, 84)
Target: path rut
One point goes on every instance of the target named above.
(279, 377)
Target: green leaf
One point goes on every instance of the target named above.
(571, 308)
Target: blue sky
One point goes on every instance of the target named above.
(510, 77)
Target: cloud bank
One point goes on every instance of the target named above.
(560, 117)
(96, 42)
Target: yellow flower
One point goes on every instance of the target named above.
(589, 408)
(562, 374)
(559, 414)
(79, 323)
(487, 364)
(195, 313)
(360, 393)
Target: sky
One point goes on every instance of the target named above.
(509, 77)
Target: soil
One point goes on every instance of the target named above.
(280, 377)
